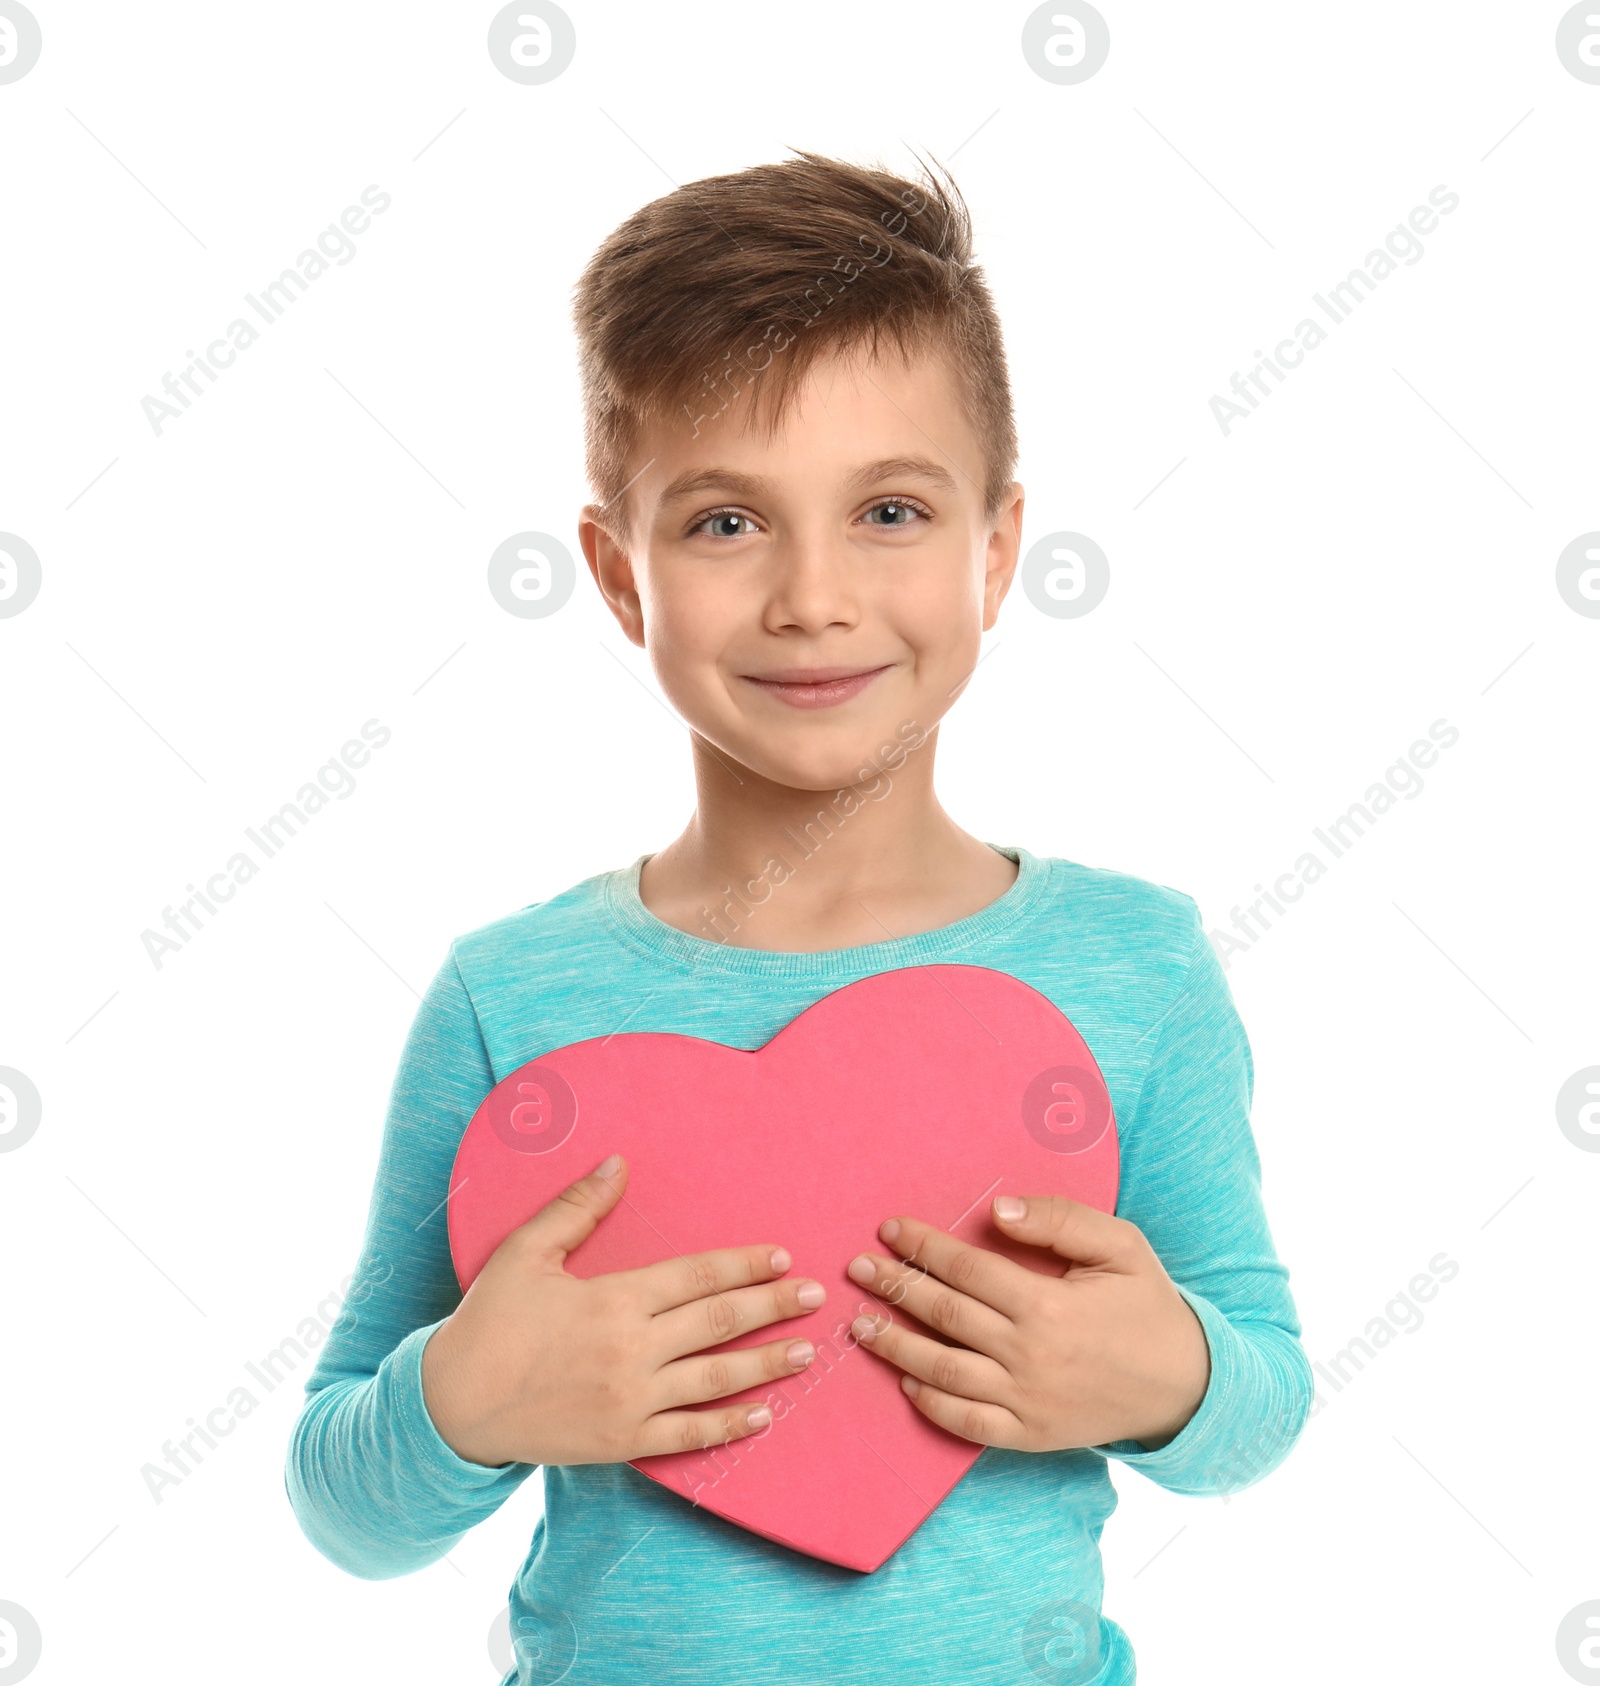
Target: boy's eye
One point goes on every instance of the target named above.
(893, 512)
(725, 524)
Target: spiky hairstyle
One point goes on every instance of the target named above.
(741, 281)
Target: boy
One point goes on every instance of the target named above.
(800, 438)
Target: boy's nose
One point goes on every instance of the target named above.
(812, 586)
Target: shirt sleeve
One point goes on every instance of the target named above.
(373, 1484)
(1191, 1181)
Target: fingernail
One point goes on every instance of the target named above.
(607, 1167)
(910, 1384)
(891, 1228)
(780, 1260)
(800, 1353)
(1010, 1208)
(862, 1269)
(760, 1416)
(864, 1329)
(811, 1295)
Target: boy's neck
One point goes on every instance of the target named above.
(763, 865)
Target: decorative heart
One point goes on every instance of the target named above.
(925, 1091)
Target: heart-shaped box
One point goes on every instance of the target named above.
(925, 1091)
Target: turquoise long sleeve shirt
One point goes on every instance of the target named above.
(625, 1583)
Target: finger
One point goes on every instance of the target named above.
(1069, 1228)
(989, 1425)
(689, 1277)
(719, 1317)
(690, 1381)
(999, 1282)
(950, 1369)
(571, 1217)
(694, 1431)
(930, 1301)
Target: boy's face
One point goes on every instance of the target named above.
(760, 567)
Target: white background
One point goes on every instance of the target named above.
(224, 604)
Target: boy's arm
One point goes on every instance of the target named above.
(374, 1486)
(1191, 1181)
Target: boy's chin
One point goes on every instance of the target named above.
(804, 768)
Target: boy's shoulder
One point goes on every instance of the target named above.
(1139, 946)
(1102, 900)
(567, 918)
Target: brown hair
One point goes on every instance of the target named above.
(747, 278)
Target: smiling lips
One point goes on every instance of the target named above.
(816, 687)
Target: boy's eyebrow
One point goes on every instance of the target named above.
(891, 468)
(755, 485)
(715, 479)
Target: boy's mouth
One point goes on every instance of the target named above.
(816, 687)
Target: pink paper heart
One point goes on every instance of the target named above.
(925, 1091)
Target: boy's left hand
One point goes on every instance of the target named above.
(1110, 1351)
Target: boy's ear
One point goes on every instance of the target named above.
(1005, 545)
(612, 568)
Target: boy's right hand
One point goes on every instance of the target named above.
(538, 1366)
